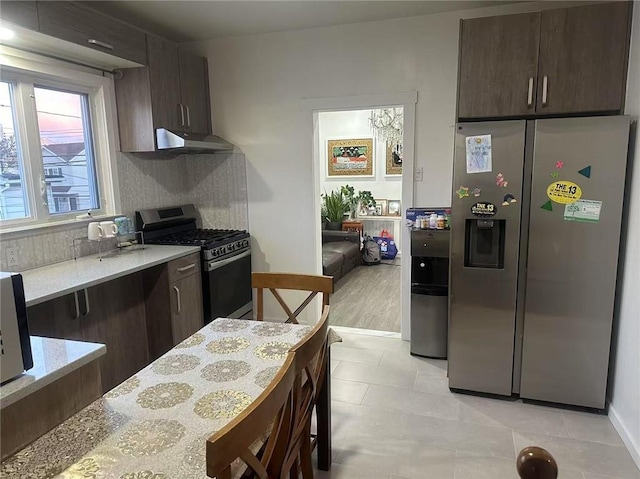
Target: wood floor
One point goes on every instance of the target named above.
(368, 297)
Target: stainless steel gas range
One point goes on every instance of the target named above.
(225, 255)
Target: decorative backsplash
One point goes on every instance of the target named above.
(215, 183)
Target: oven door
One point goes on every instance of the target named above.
(226, 287)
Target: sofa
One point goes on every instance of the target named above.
(340, 252)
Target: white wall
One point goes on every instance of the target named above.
(355, 124)
(259, 85)
(624, 410)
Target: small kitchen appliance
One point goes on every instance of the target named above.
(225, 256)
(15, 343)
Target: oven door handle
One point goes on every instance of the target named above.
(213, 265)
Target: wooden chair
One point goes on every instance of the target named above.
(288, 281)
(536, 463)
(230, 451)
(310, 355)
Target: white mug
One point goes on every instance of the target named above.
(94, 231)
(108, 229)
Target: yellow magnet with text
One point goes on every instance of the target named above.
(564, 192)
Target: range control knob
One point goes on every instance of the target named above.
(231, 246)
(245, 243)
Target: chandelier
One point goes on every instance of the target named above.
(387, 124)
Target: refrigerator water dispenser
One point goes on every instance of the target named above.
(484, 244)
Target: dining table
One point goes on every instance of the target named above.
(155, 424)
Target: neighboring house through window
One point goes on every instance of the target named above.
(50, 161)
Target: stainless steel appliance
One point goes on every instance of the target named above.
(182, 142)
(429, 292)
(226, 257)
(15, 343)
(534, 256)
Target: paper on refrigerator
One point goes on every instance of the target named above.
(478, 154)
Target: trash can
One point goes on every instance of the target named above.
(429, 320)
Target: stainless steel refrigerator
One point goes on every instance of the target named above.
(535, 233)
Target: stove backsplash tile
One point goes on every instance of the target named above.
(215, 183)
(151, 183)
(217, 187)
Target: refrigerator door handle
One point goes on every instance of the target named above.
(530, 92)
(545, 81)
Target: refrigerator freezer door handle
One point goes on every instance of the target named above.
(545, 81)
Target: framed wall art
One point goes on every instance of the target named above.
(350, 157)
(394, 159)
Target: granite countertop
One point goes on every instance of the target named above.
(155, 424)
(52, 359)
(53, 281)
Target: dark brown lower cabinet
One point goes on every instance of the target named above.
(138, 317)
(111, 313)
(116, 318)
(56, 318)
(186, 307)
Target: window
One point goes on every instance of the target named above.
(13, 197)
(56, 144)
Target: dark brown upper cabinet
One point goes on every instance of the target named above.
(583, 59)
(498, 66)
(563, 61)
(22, 13)
(171, 92)
(78, 24)
(194, 89)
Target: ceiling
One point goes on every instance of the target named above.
(183, 21)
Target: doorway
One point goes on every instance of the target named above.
(360, 178)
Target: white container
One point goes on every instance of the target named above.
(433, 221)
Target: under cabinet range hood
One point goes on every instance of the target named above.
(190, 142)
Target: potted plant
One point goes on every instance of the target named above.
(336, 206)
(363, 198)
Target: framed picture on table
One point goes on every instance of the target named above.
(381, 207)
(393, 208)
(350, 157)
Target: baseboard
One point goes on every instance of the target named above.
(365, 332)
(632, 447)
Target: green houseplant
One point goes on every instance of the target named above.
(336, 206)
(363, 198)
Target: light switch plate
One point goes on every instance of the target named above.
(417, 176)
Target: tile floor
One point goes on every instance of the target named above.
(395, 418)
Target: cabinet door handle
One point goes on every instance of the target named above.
(188, 116)
(530, 92)
(181, 114)
(177, 297)
(86, 302)
(186, 268)
(75, 297)
(98, 43)
(545, 81)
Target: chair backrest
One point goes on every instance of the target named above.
(309, 358)
(288, 281)
(271, 408)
